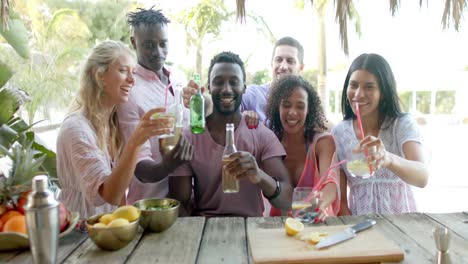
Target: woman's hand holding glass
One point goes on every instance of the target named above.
(376, 155)
(150, 126)
(305, 204)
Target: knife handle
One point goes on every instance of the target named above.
(363, 225)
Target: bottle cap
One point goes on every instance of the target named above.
(40, 183)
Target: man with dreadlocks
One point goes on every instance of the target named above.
(149, 37)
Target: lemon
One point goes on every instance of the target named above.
(313, 237)
(118, 222)
(99, 225)
(129, 212)
(293, 226)
(107, 218)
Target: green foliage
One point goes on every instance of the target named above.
(107, 20)
(16, 140)
(16, 35)
(311, 76)
(104, 19)
(26, 164)
(423, 102)
(445, 102)
(202, 21)
(259, 77)
(406, 100)
(334, 102)
(5, 75)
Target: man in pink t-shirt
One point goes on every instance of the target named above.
(257, 164)
(154, 86)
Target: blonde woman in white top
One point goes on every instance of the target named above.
(94, 167)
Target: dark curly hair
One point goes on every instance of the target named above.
(147, 17)
(282, 89)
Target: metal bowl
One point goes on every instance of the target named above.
(160, 219)
(111, 238)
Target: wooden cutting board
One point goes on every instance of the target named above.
(274, 246)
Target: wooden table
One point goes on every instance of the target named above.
(224, 240)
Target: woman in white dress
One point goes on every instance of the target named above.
(391, 142)
(94, 167)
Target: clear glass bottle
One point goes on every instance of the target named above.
(197, 109)
(230, 183)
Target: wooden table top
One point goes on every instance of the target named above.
(224, 240)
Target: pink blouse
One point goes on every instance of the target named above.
(81, 167)
(310, 177)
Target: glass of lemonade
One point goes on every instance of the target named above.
(168, 142)
(168, 113)
(357, 164)
(300, 207)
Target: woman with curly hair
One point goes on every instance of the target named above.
(294, 113)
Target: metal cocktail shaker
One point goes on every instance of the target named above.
(42, 221)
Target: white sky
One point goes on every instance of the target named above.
(412, 39)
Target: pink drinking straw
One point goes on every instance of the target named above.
(358, 115)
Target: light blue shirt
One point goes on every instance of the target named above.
(255, 99)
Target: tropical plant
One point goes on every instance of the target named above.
(59, 40)
(320, 7)
(17, 141)
(453, 11)
(200, 22)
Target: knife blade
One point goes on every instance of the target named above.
(346, 234)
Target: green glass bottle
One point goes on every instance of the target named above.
(197, 109)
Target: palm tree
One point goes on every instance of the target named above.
(202, 20)
(453, 11)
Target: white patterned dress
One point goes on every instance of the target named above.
(384, 192)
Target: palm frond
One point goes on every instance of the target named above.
(343, 11)
(454, 9)
(394, 6)
(4, 10)
(240, 10)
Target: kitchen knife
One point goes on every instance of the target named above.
(346, 234)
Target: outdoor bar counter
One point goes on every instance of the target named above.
(226, 240)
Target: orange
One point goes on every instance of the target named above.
(1, 226)
(6, 216)
(16, 224)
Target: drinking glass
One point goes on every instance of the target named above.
(302, 209)
(357, 164)
(167, 142)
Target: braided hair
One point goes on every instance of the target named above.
(146, 17)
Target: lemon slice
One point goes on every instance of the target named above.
(293, 226)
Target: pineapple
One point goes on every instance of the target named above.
(26, 163)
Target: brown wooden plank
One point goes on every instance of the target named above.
(178, 244)
(420, 228)
(88, 252)
(454, 221)
(224, 241)
(6, 256)
(414, 253)
(66, 246)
